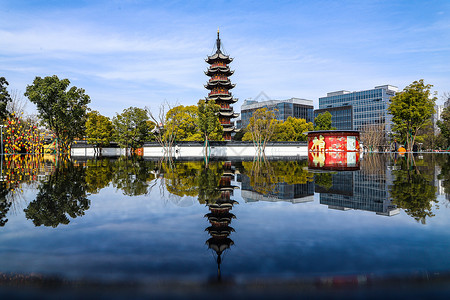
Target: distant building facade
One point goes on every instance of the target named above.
(355, 110)
(294, 107)
(438, 109)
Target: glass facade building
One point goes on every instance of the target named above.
(294, 107)
(364, 107)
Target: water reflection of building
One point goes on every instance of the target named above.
(367, 189)
(295, 193)
(220, 217)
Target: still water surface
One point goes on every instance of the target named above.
(131, 219)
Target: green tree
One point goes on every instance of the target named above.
(444, 124)
(5, 97)
(63, 195)
(292, 130)
(411, 110)
(99, 129)
(261, 129)
(132, 127)
(208, 122)
(181, 122)
(62, 110)
(323, 122)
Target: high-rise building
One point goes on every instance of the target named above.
(283, 109)
(355, 110)
(438, 109)
(220, 85)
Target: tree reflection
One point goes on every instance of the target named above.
(265, 175)
(182, 178)
(413, 190)
(132, 175)
(63, 195)
(99, 173)
(4, 204)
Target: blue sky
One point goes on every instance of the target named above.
(142, 53)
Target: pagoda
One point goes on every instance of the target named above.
(220, 85)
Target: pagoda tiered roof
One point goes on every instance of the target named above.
(213, 70)
(229, 114)
(222, 97)
(218, 56)
(219, 83)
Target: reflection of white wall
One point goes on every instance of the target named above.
(294, 150)
(250, 196)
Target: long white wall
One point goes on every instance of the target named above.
(192, 151)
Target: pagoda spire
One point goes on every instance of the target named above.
(218, 42)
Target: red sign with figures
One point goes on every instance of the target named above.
(333, 141)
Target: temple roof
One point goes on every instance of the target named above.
(229, 114)
(219, 57)
(225, 70)
(228, 129)
(215, 83)
(222, 97)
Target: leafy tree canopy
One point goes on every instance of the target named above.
(5, 97)
(208, 120)
(62, 110)
(99, 129)
(261, 129)
(323, 122)
(411, 110)
(132, 127)
(181, 121)
(292, 130)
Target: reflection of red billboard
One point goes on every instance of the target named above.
(338, 161)
(333, 140)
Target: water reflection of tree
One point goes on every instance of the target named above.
(132, 175)
(182, 178)
(325, 180)
(265, 175)
(63, 195)
(4, 204)
(413, 190)
(99, 173)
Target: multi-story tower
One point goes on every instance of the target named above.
(220, 85)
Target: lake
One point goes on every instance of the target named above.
(166, 227)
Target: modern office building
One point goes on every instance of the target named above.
(355, 110)
(294, 107)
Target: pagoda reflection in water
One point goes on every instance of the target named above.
(220, 217)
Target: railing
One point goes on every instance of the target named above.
(218, 65)
(215, 92)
